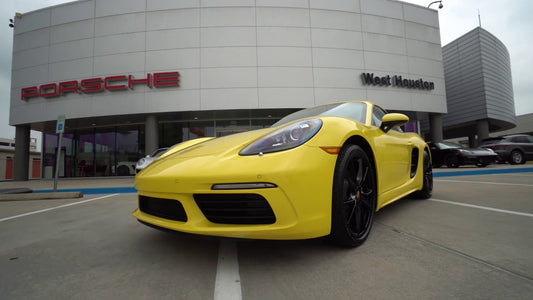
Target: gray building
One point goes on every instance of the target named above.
(479, 89)
(134, 75)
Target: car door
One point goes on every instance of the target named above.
(529, 148)
(393, 154)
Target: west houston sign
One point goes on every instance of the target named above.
(397, 81)
(100, 84)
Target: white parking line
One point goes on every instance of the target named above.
(54, 208)
(484, 182)
(485, 208)
(228, 280)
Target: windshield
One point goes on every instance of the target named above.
(449, 145)
(351, 110)
(158, 152)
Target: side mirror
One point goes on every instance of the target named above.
(391, 120)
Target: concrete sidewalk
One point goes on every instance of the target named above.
(69, 188)
(69, 183)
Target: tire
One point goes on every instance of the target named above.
(354, 197)
(427, 186)
(517, 158)
(451, 161)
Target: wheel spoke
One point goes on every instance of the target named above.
(366, 201)
(351, 175)
(357, 220)
(360, 173)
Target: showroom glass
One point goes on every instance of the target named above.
(227, 127)
(94, 152)
(127, 150)
(105, 152)
(171, 133)
(85, 154)
(114, 151)
(50, 154)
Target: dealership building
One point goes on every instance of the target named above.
(134, 75)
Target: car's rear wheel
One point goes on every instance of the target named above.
(517, 158)
(427, 186)
(354, 197)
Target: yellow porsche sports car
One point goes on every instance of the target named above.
(322, 171)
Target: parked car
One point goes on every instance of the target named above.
(322, 171)
(515, 149)
(148, 159)
(454, 155)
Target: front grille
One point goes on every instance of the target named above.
(163, 208)
(235, 208)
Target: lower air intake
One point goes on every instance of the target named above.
(235, 208)
(163, 208)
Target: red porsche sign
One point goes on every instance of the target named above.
(100, 84)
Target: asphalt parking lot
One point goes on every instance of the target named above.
(472, 240)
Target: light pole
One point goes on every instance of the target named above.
(440, 5)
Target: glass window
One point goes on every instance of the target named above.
(262, 123)
(171, 133)
(377, 115)
(198, 129)
(49, 156)
(104, 152)
(227, 127)
(127, 155)
(85, 154)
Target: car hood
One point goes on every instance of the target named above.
(480, 151)
(222, 145)
(214, 148)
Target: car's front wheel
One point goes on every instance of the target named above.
(451, 161)
(354, 197)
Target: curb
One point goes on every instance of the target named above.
(40, 196)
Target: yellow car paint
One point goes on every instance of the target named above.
(303, 176)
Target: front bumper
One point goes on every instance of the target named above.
(297, 204)
(479, 160)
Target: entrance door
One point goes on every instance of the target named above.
(36, 168)
(9, 168)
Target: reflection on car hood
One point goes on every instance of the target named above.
(480, 151)
(205, 152)
(221, 145)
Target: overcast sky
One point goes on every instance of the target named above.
(510, 21)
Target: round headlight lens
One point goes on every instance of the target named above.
(284, 138)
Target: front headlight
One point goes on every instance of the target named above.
(284, 138)
(141, 163)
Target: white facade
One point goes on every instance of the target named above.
(230, 54)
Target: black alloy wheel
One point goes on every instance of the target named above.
(354, 197)
(427, 186)
(517, 158)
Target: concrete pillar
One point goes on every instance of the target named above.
(22, 153)
(435, 125)
(472, 142)
(151, 134)
(482, 130)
